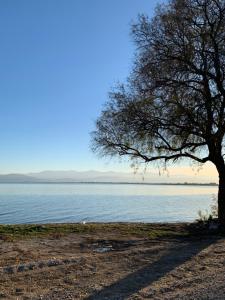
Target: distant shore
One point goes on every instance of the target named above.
(103, 182)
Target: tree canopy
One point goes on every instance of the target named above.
(172, 106)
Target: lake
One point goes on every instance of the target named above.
(51, 203)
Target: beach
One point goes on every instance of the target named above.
(111, 261)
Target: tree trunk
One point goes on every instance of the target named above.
(220, 165)
(221, 199)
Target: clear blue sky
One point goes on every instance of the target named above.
(58, 61)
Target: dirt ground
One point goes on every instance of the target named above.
(112, 266)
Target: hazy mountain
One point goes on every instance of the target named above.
(97, 176)
(83, 176)
(69, 176)
(17, 178)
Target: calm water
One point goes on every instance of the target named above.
(49, 203)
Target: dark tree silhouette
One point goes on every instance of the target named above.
(173, 104)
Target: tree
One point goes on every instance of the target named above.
(172, 106)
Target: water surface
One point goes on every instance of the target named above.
(50, 203)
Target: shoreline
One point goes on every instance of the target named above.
(142, 229)
(112, 183)
(11, 232)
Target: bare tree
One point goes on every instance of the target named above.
(173, 105)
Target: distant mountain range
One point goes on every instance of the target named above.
(69, 176)
(97, 176)
(14, 178)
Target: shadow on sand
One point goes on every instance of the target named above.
(133, 282)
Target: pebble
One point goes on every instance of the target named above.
(39, 265)
(19, 291)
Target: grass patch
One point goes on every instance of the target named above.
(151, 231)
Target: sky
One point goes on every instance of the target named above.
(58, 61)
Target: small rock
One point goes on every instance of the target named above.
(2, 295)
(31, 266)
(9, 270)
(21, 268)
(41, 264)
(53, 262)
(19, 291)
(66, 261)
(103, 249)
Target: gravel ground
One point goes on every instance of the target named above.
(88, 267)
